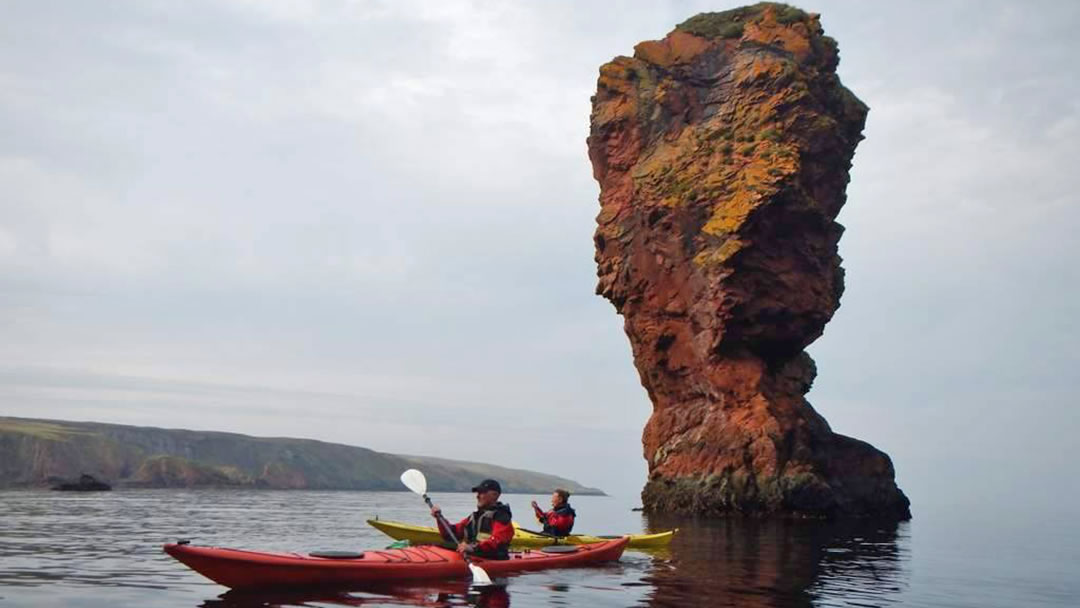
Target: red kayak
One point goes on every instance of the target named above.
(239, 569)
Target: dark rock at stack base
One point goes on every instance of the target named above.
(722, 153)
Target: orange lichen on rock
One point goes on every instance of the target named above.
(794, 37)
(677, 48)
(722, 153)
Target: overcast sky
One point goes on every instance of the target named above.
(370, 223)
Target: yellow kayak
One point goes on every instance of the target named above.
(637, 541)
(522, 538)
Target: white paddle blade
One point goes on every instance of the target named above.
(415, 481)
(479, 576)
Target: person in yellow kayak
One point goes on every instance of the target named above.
(559, 521)
(491, 517)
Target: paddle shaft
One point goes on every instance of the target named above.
(464, 555)
(415, 481)
(446, 524)
(544, 534)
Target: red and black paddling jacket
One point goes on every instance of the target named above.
(558, 521)
(494, 520)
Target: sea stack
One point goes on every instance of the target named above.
(722, 153)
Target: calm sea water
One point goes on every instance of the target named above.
(96, 550)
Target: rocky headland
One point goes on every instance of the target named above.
(722, 154)
(40, 453)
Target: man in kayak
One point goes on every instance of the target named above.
(559, 521)
(491, 517)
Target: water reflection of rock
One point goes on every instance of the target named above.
(739, 562)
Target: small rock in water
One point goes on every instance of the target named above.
(86, 483)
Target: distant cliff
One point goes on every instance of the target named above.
(34, 453)
(722, 153)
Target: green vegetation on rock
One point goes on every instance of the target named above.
(41, 430)
(730, 23)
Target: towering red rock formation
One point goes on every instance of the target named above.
(722, 153)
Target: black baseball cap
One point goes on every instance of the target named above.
(486, 485)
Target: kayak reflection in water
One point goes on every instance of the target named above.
(559, 521)
(491, 517)
(427, 596)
